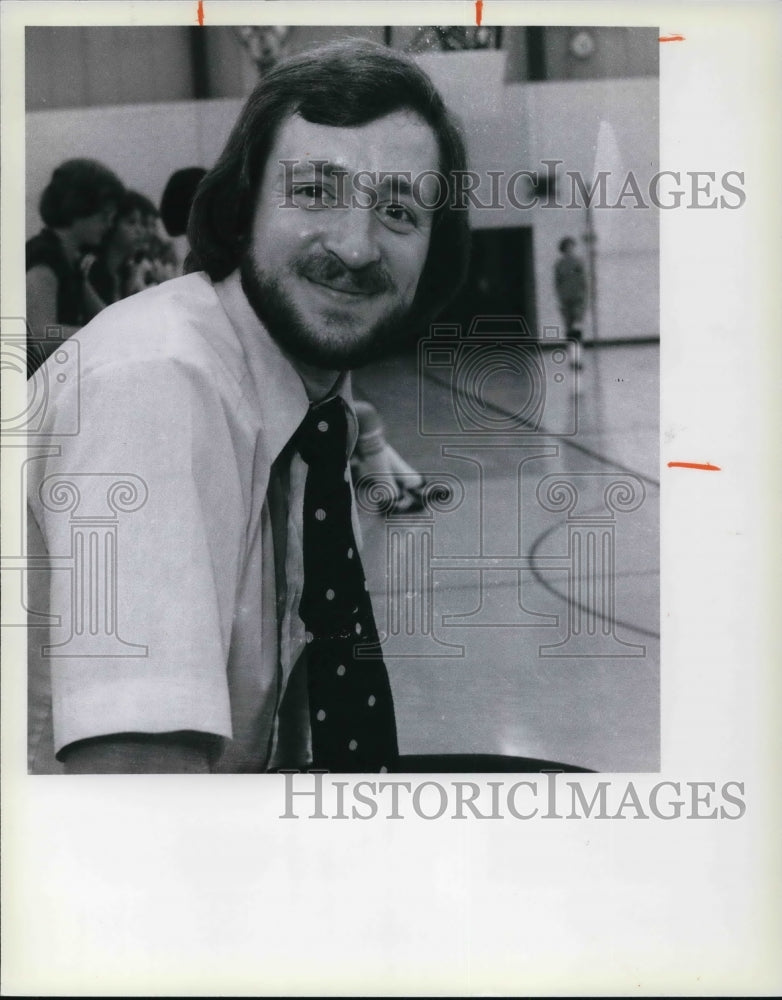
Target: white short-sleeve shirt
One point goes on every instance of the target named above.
(165, 589)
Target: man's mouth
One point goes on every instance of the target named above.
(343, 289)
(346, 284)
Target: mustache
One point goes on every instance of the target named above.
(326, 269)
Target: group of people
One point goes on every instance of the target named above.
(100, 242)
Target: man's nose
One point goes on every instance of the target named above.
(351, 235)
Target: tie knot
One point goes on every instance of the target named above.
(322, 436)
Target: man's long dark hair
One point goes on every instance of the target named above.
(344, 84)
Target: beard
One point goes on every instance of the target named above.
(317, 346)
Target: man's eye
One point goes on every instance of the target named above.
(398, 217)
(312, 196)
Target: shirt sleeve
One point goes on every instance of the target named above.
(143, 516)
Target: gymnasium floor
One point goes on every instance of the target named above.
(487, 655)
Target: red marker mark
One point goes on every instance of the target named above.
(478, 12)
(201, 12)
(671, 38)
(707, 467)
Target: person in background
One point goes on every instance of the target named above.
(375, 459)
(155, 260)
(571, 287)
(175, 205)
(77, 208)
(151, 219)
(155, 263)
(165, 263)
(131, 257)
(108, 272)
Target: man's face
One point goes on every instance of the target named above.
(332, 280)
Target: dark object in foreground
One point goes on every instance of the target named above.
(479, 763)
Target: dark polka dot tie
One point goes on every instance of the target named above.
(351, 707)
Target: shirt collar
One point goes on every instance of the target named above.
(280, 391)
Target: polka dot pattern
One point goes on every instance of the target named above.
(352, 710)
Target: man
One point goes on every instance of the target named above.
(312, 253)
